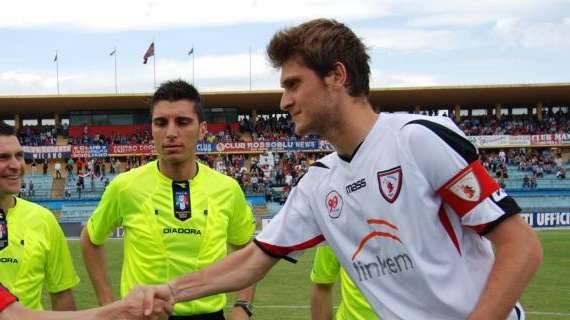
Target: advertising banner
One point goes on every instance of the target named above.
(545, 139)
(261, 146)
(46, 152)
(81, 151)
(124, 149)
(522, 140)
(545, 220)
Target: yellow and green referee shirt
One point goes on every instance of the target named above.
(36, 253)
(161, 242)
(326, 268)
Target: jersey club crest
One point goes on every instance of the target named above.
(390, 183)
(467, 187)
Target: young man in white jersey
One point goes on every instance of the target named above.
(404, 201)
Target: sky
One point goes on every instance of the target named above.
(411, 42)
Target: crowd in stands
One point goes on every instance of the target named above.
(261, 173)
(535, 163)
(280, 127)
(140, 136)
(38, 135)
(553, 122)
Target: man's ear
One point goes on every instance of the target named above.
(338, 77)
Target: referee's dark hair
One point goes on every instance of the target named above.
(176, 90)
(6, 129)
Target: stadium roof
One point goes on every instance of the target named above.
(387, 99)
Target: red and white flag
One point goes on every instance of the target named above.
(149, 53)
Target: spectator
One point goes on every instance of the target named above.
(533, 182)
(45, 167)
(526, 182)
(22, 190)
(69, 168)
(57, 168)
(31, 191)
(67, 192)
(561, 174)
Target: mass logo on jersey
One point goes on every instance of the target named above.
(181, 200)
(390, 183)
(389, 234)
(334, 204)
(466, 187)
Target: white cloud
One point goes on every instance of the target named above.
(516, 32)
(381, 79)
(222, 72)
(411, 39)
(451, 20)
(112, 15)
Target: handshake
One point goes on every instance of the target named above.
(143, 302)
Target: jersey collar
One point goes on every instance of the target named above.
(164, 178)
(348, 160)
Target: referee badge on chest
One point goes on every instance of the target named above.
(181, 200)
(390, 183)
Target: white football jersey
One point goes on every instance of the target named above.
(405, 216)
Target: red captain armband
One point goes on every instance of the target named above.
(468, 188)
(6, 298)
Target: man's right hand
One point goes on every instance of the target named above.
(152, 299)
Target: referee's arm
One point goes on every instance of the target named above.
(321, 301)
(246, 295)
(96, 264)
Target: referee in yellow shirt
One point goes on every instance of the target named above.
(33, 250)
(326, 269)
(178, 215)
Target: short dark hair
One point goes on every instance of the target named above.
(175, 90)
(319, 44)
(6, 129)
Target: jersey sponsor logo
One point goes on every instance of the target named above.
(389, 234)
(168, 230)
(8, 260)
(467, 187)
(390, 183)
(355, 186)
(382, 266)
(334, 204)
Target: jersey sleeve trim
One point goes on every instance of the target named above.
(6, 298)
(319, 164)
(468, 188)
(281, 252)
(458, 143)
(508, 205)
(446, 223)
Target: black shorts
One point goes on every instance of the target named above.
(218, 315)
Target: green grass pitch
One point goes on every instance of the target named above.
(284, 293)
